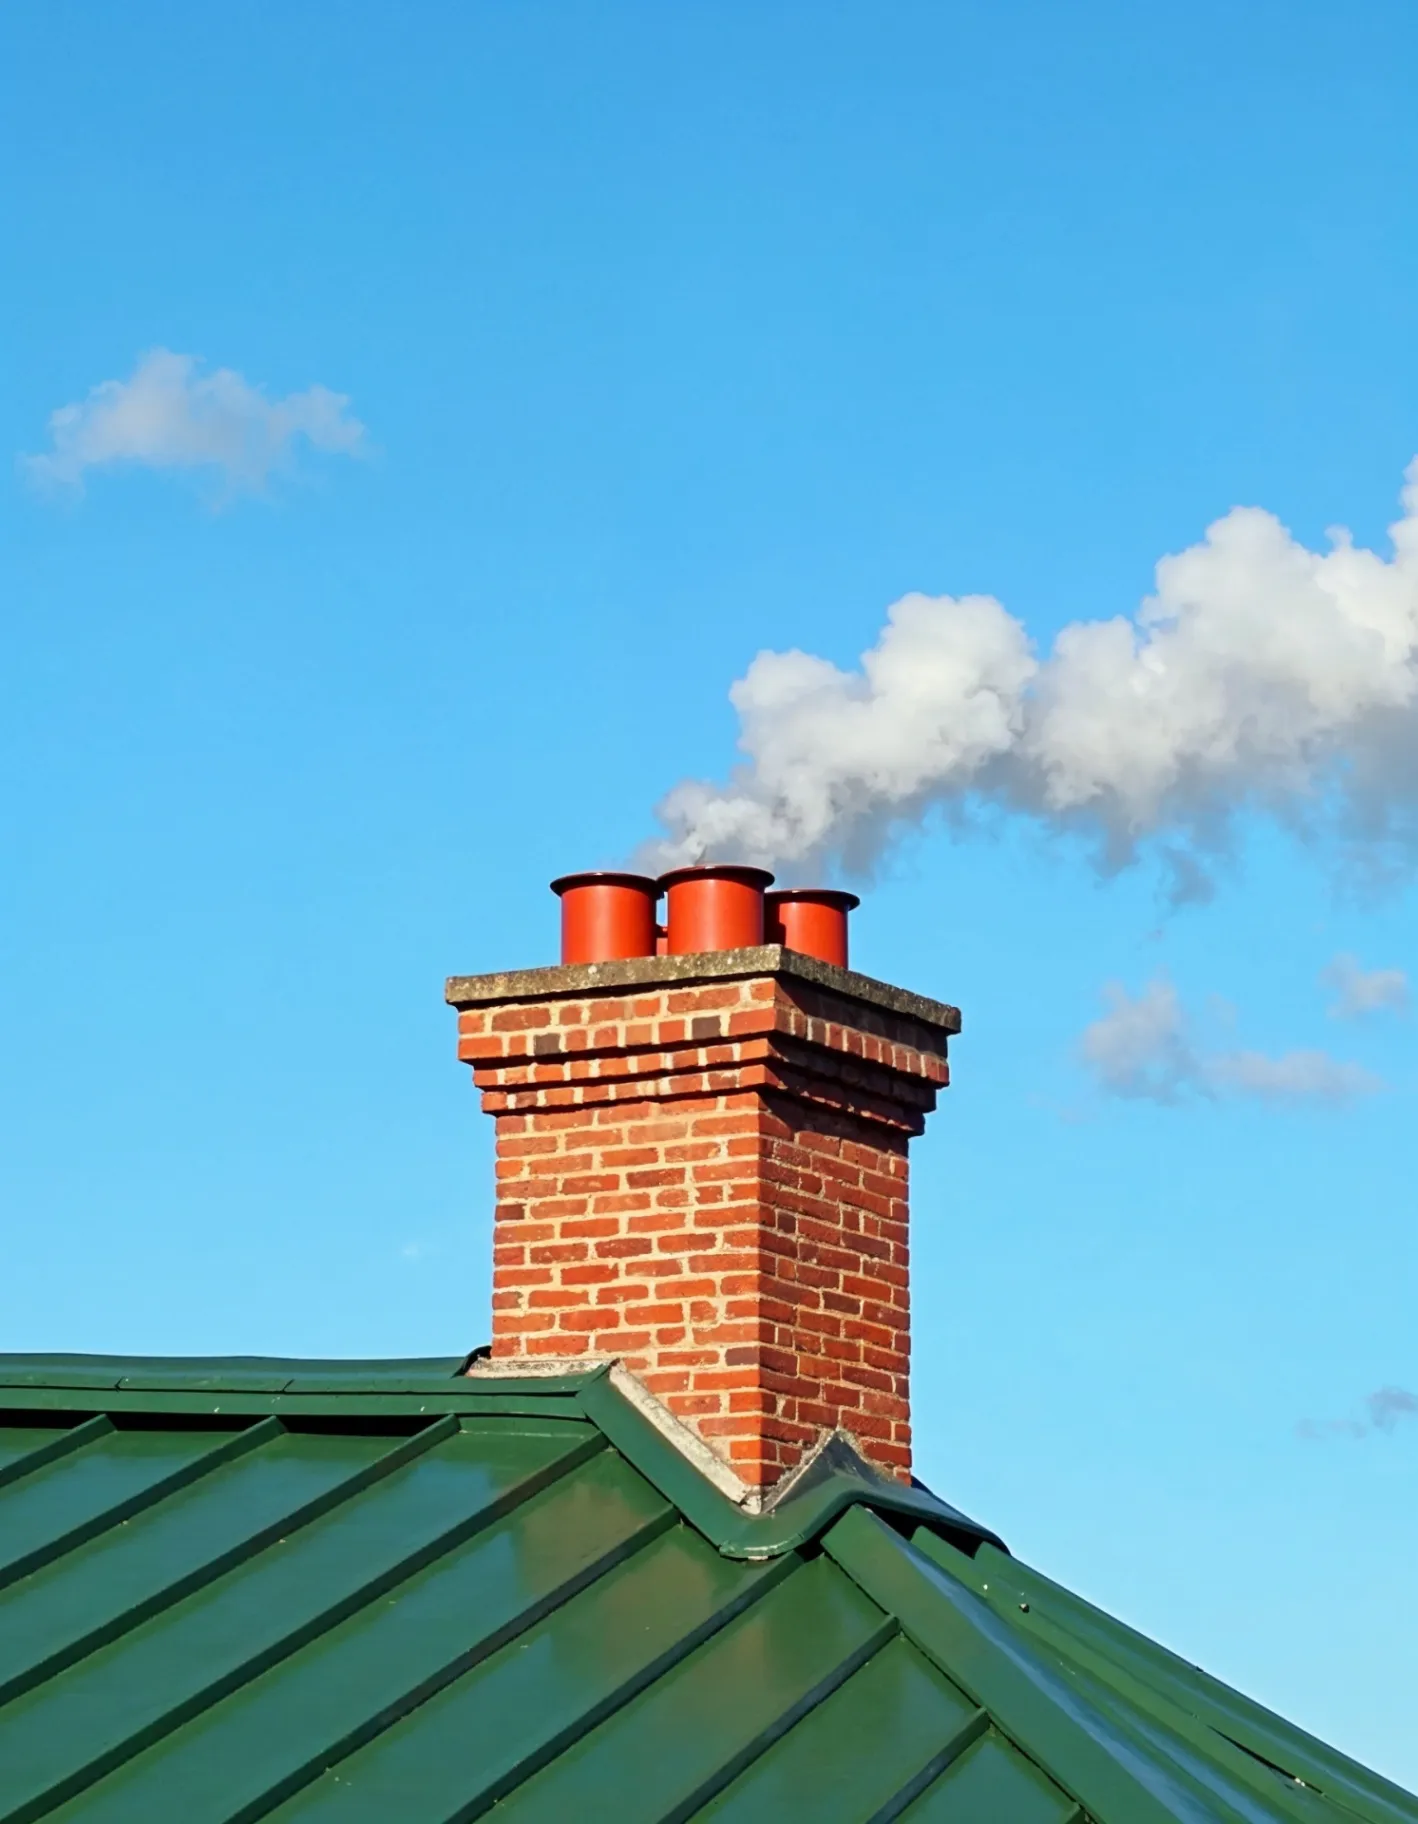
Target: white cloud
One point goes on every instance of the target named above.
(1295, 1076)
(1259, 673)
(1315, 1429)
(1382, 1409)
(168, 415)
(1142, 1048)
(1359, 991)
(1389, 1405)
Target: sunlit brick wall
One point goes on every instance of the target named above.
(709, 1181)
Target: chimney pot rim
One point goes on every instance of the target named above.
(604, 877)
(710, 870)
(836, 897)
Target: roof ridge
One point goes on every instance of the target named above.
(708, 1495)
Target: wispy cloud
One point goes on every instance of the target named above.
(1142, 1048)
(1294, 1076)
(1359, 991)
(1139, 1048)
(1382, 1412)
(1389, 1405)
(169, 415)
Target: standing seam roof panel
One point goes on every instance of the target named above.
(334, 1593)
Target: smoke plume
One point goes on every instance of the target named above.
(1259, 674)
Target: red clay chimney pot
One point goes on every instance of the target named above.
(810, 920)
(714, 908)
(605, 916)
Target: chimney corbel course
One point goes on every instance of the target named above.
(701, 1170)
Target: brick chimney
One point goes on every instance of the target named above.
(701, 1171)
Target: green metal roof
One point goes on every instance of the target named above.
(330, 1593)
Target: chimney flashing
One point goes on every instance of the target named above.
(835, 1455)
(574, 980)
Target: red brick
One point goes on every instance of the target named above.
(596, 1318)
(653, 1313)
(623, 1291)
(520, 1019)
(630, 1155)
(519, 1145)
(624, 1247)
(591, 1227)
(735, 1241)
(592, 1274)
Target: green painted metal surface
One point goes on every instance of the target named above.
(334, 1593)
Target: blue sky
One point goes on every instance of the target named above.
(667, 337)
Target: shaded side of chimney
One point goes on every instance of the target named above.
(702, 1171)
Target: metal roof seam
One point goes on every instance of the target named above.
(631, 1688)
(56, 1547)
(1028, 1703)
(950, 1751)
(494, 1595)
(74, 1439)
(361, 1596)
(725, 1775)
(1113, 1650)
(332, 1754)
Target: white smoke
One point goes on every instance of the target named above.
(1258, 674)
